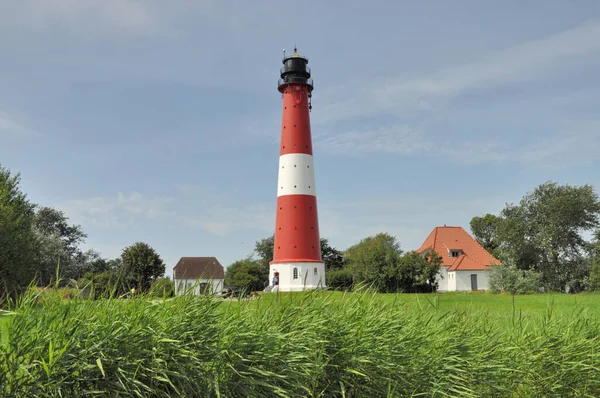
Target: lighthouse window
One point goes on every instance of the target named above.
(316, 272)
(295, 273)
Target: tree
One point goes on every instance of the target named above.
(594, 261)
(50, 254)
(339, 279)
(264, 249)
(141, 265)
(17, 237)
(544, 231)
(484, 230)
(417, 273)
(246, 274)
(508, 278)
(59, 242)
(374, 261)
(50, 221)
(332, 257)
(89, 261)
(163, 287)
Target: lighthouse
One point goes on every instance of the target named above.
(297, 264)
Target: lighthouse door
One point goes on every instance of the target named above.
(276, 278)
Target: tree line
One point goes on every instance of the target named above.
(539, 241)
(38, 244)
(544, 237)
(549, 240)
(376, 261)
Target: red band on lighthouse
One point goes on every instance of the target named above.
(297, 262)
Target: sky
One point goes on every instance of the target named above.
(159, 121)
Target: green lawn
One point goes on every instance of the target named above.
(538, 304)
(496, 308)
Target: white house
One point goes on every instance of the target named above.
(198, 275)
(465, 263)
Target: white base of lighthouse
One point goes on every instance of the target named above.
(297, 277)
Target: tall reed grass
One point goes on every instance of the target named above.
(313, 344)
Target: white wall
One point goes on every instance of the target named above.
(463, 280)
(442, 279)
(307, 278)
(452, 281)
(181, 285)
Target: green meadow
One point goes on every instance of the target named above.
(313, 344)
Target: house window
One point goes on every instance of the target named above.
(454, 253)
(295, 273)
(316, 271)
(204, 287)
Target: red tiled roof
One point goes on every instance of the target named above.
(198, 268)
(444, 239)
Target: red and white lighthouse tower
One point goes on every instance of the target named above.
(297, 263)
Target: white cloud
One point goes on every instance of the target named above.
(530, 60)
(344, 222)
(221, 220)
(577, 142)
(404, 98)
(209, 212)
(395, 139)
(116, 212)
(86, 17)
(8, 125)
(573, 143)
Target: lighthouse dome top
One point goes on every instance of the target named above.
(295, 71)
(295, 54)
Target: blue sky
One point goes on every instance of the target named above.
(159, 122)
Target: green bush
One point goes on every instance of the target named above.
(340, 279)
(510, 279)
(162, 287)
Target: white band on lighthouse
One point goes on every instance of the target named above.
(296, 175)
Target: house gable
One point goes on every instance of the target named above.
(198, 268)
(458, 249)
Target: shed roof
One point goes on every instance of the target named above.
(198, 268)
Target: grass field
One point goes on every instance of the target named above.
(499, 304)
(306, 345)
